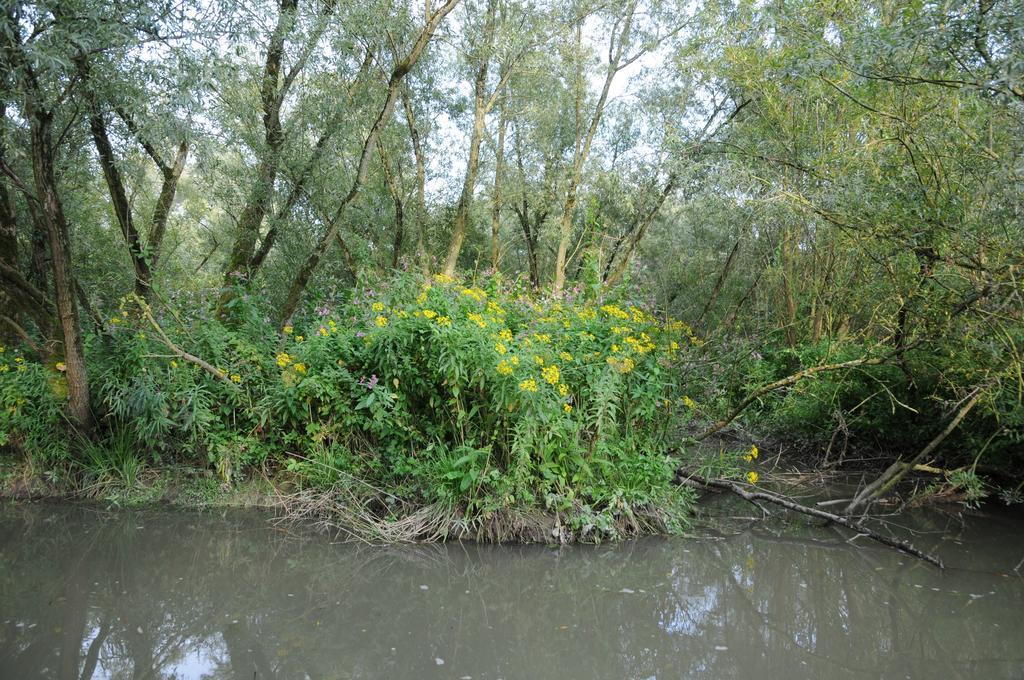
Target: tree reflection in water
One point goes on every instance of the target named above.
(89, 594)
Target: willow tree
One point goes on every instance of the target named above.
(403, 64)
(42, 49)
(505, 34)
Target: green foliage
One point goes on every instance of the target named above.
(31, 408)
(115, 460)
(896, 407)
(468, 395)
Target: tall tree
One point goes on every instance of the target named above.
(404, 64)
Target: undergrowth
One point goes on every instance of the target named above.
(471, 397)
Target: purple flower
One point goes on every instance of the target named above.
(360, 334)
(323, 310)
(369, 384)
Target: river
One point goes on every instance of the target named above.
(90, 593)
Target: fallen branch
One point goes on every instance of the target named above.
(895, 472)
(698, 482)
(179, 352)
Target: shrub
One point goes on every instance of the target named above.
(471, 395)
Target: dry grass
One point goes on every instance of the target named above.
(373, 519)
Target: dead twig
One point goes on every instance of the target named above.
(698, 482)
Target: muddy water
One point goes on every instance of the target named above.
(86, 593)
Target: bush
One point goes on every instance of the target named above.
(474, 396)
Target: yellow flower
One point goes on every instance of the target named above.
(567, 408)
(115, 319)
(475, 293)
(443, 278)
(505, 335)
(323, 331)
(378, 307)
(615, 348)
(381, 321)
(753, 451)
(514, 361)
(689, 403)
(429, 313)
(444, 321)
(586, 314)
(283, 359)
(563, 389)
(539, 360)
(174, 364)
(478, 320)
(624, 365)
(61, 366)
(551, 374)
(500, 348)
(565, 356)
(528, 385)
(235, 378)
(288, 330)
(612, 310)
(2, 349)
(4, 368)
(504, 368)
(18, 360)
(752, 477)
(299, 338)
(300, 368)
(421, 298)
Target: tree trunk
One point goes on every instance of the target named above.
(8, 243)
(52, 212)
(395, 189)
(119, 200)
(499, 162)
(258, 201)
(299, 183)
(162, 210)
(788, 287)
(421, 185)
(473, 164)
(585, 139)
(644, 222)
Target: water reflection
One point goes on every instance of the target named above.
(86, 594)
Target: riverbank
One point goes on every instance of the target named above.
(351, 510)
(179, 486)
